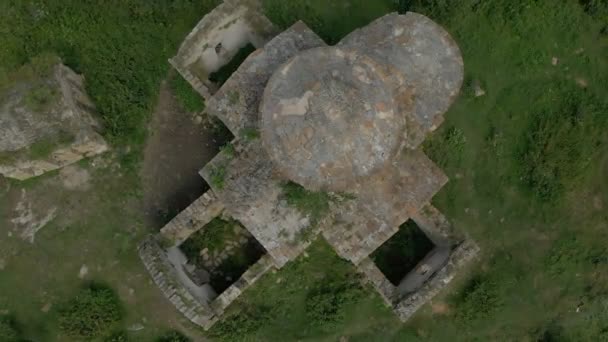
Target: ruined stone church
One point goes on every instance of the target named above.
(348, 120)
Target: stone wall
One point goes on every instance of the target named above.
(462, 254)
(162, 272)
(233, 24)
(237, 102)
(454, 250)
(255, 272)
(193, 218)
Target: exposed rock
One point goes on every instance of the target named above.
(581, 82)
(198, 119)
(84, 270)
(47, 307)
(27, 221)
(478, 91)
(597, 203)
(47, 122)
(136, 327)
(554, 61)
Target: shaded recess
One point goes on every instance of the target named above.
(224, 73)
(220, 253)
(402, 252)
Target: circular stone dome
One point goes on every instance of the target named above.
(328, 120)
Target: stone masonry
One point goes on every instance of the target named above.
(346, 119)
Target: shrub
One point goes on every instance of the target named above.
(228, 150)
(315, 204)
(218, 176)
(93, 312)
(249, 134)
(8, 330)
(325, 303)
(242, 324)
(118, 336)
(173, 336)
(479, 298)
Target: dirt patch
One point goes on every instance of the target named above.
(176, 150)
(74, 177)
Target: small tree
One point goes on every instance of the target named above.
(93, 312)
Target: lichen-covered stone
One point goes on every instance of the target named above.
(47, 122)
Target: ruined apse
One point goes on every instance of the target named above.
(347, 120)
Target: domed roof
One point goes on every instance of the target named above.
(328, 118)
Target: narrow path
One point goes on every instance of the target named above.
(177, 148)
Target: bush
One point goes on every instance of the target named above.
(8, 329)
(118, 336)
(173, 336)
(479, 298)
(325, 303)
(242, 324)
(93, 312)
(561, 142)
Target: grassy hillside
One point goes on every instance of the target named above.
(527, 164)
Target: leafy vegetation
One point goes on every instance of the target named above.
(249, 134)
(118, 336)
(326, 301)
(314, 204)
(228, 149)
(94, 311)
(8, 329)
(402, 252)
(189, 98)
(214, 237)
(314, 297)
(172, 336)
(525, 161)
(218, 176)
(121, 47)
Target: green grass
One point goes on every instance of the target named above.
(313, 298)
(526, 164)
(189, 98)
(121, 47)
